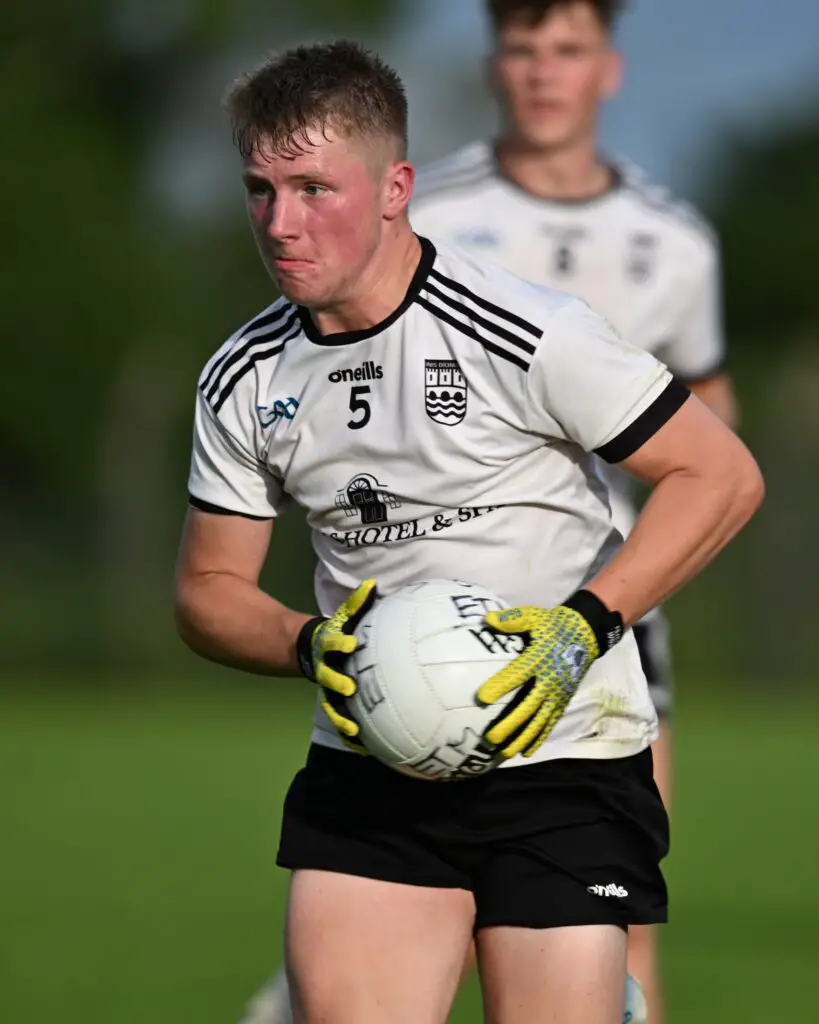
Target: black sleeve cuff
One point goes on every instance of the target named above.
(217, 510)
(646, 425)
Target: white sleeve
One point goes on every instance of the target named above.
(227, 472)
(587, 386)
(696, 348)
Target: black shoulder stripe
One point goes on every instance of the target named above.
(254, 357)
(470, 332)
(265, 319)
(240, 351)
(646, 425)
(490, 307)
(513, 339)
(257, 324)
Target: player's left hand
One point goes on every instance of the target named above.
(561, 646)
(323, 647)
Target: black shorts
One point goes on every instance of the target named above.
(655, 657)
(565, 842)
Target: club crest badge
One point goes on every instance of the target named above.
(445, 391)
(641, 257)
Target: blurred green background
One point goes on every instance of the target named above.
(141, 789)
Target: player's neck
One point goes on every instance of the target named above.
(569, 173)
(380, 289)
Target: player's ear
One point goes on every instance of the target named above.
(613, 72)
(398, 183)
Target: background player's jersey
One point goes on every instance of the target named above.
(451, 440)
(641, 259)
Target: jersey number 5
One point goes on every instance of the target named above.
(359, 407)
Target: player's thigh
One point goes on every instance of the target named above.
(364, 951)
(569, 975)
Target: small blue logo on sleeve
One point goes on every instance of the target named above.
(281, 409)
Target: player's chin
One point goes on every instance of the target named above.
(298, 289)
(550, 136)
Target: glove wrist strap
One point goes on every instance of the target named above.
(606, 625)
(304, 647)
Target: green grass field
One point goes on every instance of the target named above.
(139, 830)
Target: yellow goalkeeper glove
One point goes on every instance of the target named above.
(323, 646)
(561, 646)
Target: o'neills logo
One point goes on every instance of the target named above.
(367, 371)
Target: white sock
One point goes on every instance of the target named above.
(271, 1004)
(636, 1010)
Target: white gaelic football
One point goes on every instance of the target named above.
(424, 652)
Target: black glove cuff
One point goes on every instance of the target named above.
(304, 647)
(606, 625)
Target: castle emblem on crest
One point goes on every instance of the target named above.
(445, 391)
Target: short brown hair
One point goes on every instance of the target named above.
(338, 84)
(532, 12)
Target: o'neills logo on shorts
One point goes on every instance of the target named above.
(612, 889)
(367, 371)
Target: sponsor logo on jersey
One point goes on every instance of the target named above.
(641, 256)
(566, 240)
(445, 391)
(366, 498)
(367, 371)
(608, 890)
(281, 409)
(483, 237)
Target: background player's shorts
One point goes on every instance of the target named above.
(651, 634)
(565, 842)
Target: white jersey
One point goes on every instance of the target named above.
(643, 260)
(452, 440)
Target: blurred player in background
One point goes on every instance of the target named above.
(541, 201)
(544, 203)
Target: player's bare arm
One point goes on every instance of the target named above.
(221, 613)
(717, 392)
(706, 486)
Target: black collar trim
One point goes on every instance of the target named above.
(615, 184)
(419, 279)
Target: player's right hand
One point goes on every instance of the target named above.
(323, 647)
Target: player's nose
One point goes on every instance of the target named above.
(543, 68)
(283, 222)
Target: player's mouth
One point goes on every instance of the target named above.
(544, 107)
(290, 264)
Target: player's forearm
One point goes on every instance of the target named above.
(227, 620)
(689, 517)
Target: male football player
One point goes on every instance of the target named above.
(543, 202)
(549, 859)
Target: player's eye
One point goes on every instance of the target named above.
(258, 189)
(518, 52)
(314, 190)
